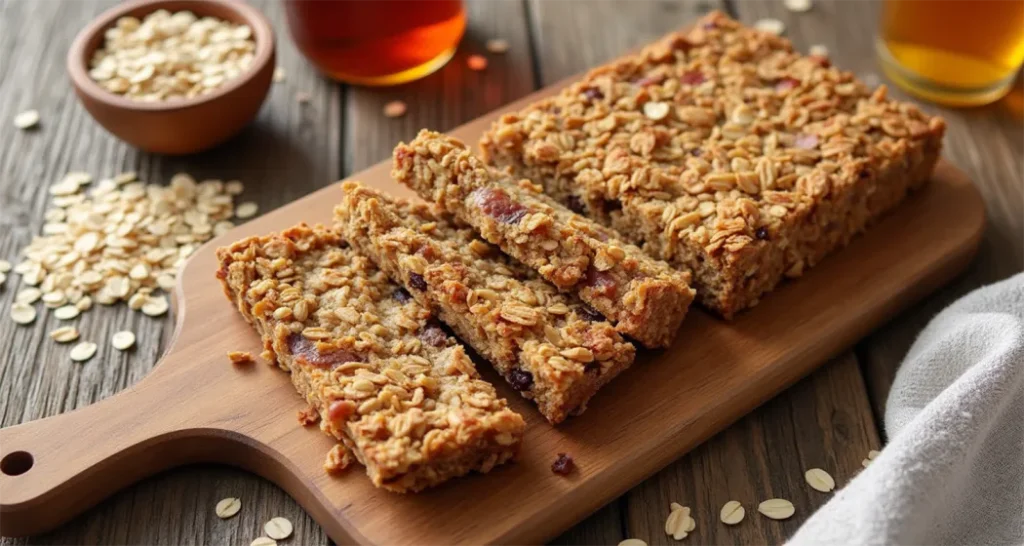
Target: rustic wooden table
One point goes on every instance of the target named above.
(830, 419)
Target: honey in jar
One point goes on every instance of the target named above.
(954, 52)
(376, 42)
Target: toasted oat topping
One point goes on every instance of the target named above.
(406, 401)
(240, 357)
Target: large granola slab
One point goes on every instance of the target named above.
(724, 152)
(644, 297)
(377, 370)
(550, 347)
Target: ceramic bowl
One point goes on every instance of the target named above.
(176, 126)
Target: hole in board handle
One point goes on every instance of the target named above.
(18, 462)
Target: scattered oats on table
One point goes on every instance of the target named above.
(228, 507)
(123, 340)
(83, 351)
(247, 210)
(497, 46)
(169, 56)
(64, 334)
(797, 6)
(22, 313)
(121, 240)
(263, 541)
(776, 509)
(278, 528)
(27, 119)
(632, 542)
(820, 480)
(732, 513)
(279, 75)
(772, 26)
(818, 50)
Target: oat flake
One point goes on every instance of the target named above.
(227, 507)
(27, 119)
(83, 351)
(122, 341)
(656, 110)
(497, 46)
(771, 26)
(395, 109)
(66, 312)
(820, 480)
(28, 295)
(797, 6)
(155, 306)
(247, 210)
(278, 528)
(776, 509)
(5, 266)
(22, 313)
(632, 542)
(65, 334)
(263, 541)
(732, 513)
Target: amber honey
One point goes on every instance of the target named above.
(955, 52)
(376, 42)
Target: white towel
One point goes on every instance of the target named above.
(953, 471)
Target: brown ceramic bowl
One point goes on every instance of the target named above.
(177, 126)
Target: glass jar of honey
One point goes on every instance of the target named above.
(953, 52)
(376, 42)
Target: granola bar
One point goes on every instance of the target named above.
(548, 345)
(378, 372)
(642, 296)
(724, 152)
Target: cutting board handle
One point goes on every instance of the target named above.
(48, 473)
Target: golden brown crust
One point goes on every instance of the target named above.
(644, 297)
(724, 152)
(548, 345)
(386, 381)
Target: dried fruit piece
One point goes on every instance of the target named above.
(732, 513)
(22, 313)
(26, 119)
(776, 509)
(123, 340)
(83, 351)
(278, 528)
(64, 334)
(820, 480)
(771, 26)
(563, 465)
(497, 45)
(228, 507)
(395, 109)
(476, 62)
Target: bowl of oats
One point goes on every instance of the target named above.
(174, 76)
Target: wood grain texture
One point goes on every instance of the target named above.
(289, 151)
(666, 404)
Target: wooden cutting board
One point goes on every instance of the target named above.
(195, 406)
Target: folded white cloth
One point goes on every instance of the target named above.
(953, 470)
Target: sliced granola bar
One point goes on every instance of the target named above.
(642, 296)
(724, 152)
(550, 347)
(381, 375)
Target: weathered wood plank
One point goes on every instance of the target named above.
(290, 150)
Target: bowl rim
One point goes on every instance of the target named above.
(77, 59)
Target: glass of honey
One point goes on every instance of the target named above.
(953, 52)
(376, 42)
